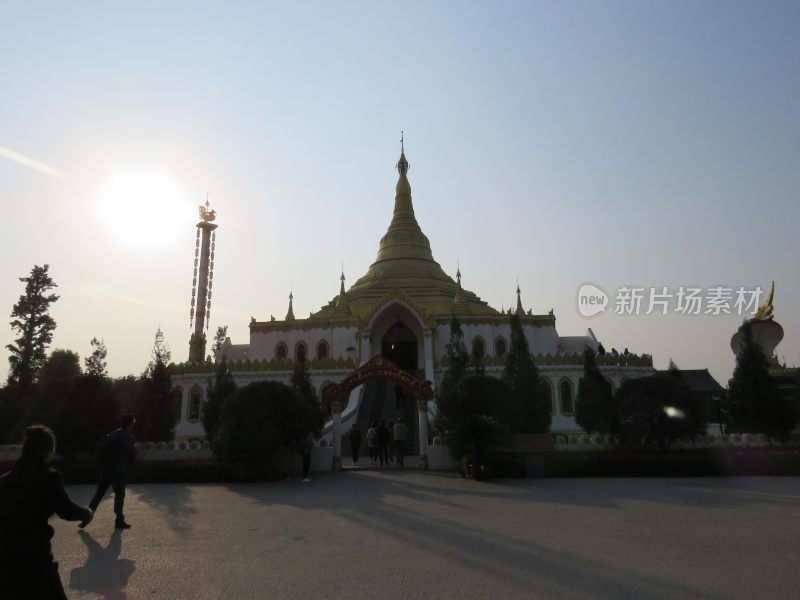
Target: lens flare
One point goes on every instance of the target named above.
(674, 413)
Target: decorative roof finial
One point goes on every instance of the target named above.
(764, 311)
(341, 288)
(290, 314)
(206, 213)
(402, 164)
(520, 310)
(458, 273)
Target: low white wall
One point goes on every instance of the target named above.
(439, 459)
(578, 443)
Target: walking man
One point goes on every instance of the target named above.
(400, 438)
(308, 447)
(114, 458)
(383, 443)
(355, 442)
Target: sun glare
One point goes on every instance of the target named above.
(143, 209)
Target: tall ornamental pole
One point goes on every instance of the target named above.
(202, 282)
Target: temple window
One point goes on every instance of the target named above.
(567, 406)
(478, 347)
(499, 347)
(550, 399)
(322, 350)
(300, 352)
(178, 392)
(195, 404)
(280, 351)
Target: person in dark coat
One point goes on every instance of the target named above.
(30, 494)
(383, 443)
(307, 448)
(355, 442)
(116, 455)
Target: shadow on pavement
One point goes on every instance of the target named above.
(177, 503)
(104, 573)
(397, 506)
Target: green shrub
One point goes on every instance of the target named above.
(263, 418)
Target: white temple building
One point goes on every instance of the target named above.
(401, 310)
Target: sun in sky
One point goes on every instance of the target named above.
(135, 198)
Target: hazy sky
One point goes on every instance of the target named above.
(619, 143)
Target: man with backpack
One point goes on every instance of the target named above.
(115, 455)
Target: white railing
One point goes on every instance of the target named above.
(594, 442)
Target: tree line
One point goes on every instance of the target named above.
(477, 414)
(82, 404)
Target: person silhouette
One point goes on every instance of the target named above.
(29, 495)
(114, 458)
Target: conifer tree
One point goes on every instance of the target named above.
(529, 406)
(302, 387)
(34, 325)
(156, 418)
(96, 362)
(219, 340)
(220, 389)
(301, 382)
(458, 359)
(595, 403)
(756, 404)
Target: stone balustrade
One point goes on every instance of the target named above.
(594, 442)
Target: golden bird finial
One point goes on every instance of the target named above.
(764, 311)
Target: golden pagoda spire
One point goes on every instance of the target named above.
(404, 238)
(342, 307)
(341, 299)
(520, 310)
(459, 304)
(290, 314)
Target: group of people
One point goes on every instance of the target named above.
(386, 444)
(32, 492)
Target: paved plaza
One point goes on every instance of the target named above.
(391, 534)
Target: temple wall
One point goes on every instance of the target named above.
(339, 339)
(541, 339)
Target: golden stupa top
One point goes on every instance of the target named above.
(404, 265)
(404, 269)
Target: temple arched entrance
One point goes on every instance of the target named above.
(399, 346)
(380, 371)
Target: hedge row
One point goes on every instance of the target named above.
(618, 463)
(649, 463)
(194, 471)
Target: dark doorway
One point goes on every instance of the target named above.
(399, 345)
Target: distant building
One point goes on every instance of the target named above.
(400, 309)
(708, 392)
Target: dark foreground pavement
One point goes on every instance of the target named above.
(390, 534)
